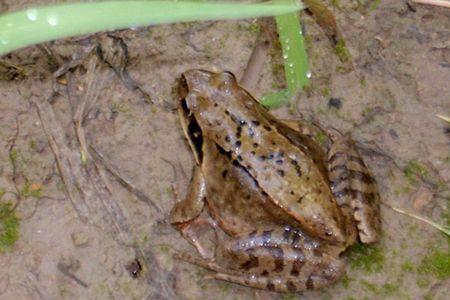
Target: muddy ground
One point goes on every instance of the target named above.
(80, 230)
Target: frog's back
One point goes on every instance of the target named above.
(233, 119)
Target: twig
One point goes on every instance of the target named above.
(65, 159)
(125, 183)
(113, 51)
(442, 3)
(63, 269)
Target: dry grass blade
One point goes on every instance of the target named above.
(444, 228)
(445, 118)
(442, 3)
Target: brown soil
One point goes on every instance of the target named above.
(82, 244)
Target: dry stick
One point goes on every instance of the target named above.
(63, 269)
(125, 183)
(103, 191)
(113, 51)
(65, 160)
(442, 3)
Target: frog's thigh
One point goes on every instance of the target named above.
(281, 259)
(191, 207)
(354, 188)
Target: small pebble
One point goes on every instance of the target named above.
(335, 102)
(80, 239)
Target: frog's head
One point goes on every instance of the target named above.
(206, 83)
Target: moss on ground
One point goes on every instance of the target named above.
(9, 226)
(436, 263)
(369, 258)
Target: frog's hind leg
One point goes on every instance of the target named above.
(282, 259)
(354, 189)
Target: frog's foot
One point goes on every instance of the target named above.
(196, 235)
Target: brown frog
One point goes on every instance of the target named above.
(287, 208)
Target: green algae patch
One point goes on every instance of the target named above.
(415, 170)
(436, 263)
(9, 226)
(341, 51)
(369, 258)
(31, 190)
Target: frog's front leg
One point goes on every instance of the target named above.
(186, 213)
(354, 189)
(282, 260)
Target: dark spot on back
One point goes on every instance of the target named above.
(280, 172)
(224, 174)
(278, 258)
(215, 104)
(296, 267)
(256, 123)
(255, 145)
(238, 144)
(227, 138)
(298, 170)
(264, 273)
(252, 152)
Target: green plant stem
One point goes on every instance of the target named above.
(36, 25)
(294, 52)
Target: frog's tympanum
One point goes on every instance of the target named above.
(287, 206)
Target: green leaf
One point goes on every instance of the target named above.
(36, 25)
(294, 52)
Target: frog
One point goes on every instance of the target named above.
(287, 205)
